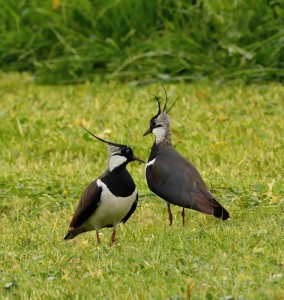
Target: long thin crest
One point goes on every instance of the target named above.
(165, 106)
(100, 139)
(159, 105)
(172, 105)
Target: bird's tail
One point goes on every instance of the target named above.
(70, 235)
(74, 232)
(221, 213)
(210, 206)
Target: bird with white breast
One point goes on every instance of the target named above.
(110, 199)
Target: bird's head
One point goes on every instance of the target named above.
(118, 154)
(160, 123)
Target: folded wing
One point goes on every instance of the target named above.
(177, 181)
(86, 207)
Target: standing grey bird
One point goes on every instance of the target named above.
(171, 177)
(111, 198)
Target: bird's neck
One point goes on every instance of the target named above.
(116, 162)
(162, 136)
(156, 148)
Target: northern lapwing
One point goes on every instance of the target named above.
(111, 198)
(171, 177)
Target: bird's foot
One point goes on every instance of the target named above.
(98, 237)
(112, 238)
(170, 214)
(183, 214)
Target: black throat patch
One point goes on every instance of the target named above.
(119, 182)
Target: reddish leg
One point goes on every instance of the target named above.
(113, 237)
(98, 237)
(170, 214)
(182, 214)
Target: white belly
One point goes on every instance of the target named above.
(111, 209)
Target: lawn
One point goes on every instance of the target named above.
(233, 133)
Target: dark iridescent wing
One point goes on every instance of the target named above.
(178, 182)
(132, 209)
(87, 205)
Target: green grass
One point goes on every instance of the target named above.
(232, 133)
(143, 41)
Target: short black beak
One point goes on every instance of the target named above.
(138, 159)
(148, 131)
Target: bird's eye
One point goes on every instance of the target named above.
(153, 124)
(125, 151)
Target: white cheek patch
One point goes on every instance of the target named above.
(159, 133)
(115, 161)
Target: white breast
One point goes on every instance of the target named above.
(111, 209)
